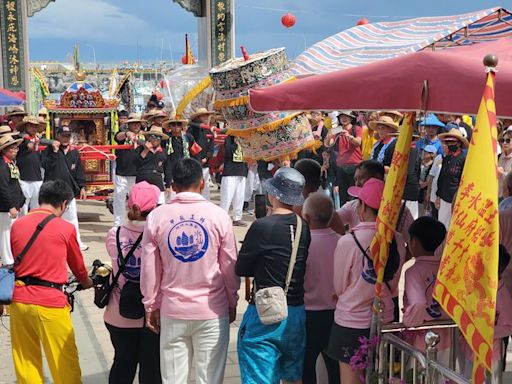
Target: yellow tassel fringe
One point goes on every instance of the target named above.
(313, 146)
(262, 128)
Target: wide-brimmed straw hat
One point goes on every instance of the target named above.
(346, 113)
(156, 131)
(8, 140)
(134, 118)
(153, 114)
(28, 120)
(43, 111)
(166, 124)
(454, 133)
(397, 114)
(286, 186)
(6, 130)
(15, 111)
(201, 112)
(384, 120)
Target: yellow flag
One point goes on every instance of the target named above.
(391, 201)
(467, 280)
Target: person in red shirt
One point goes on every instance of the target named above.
(347, 145)
(40, 313)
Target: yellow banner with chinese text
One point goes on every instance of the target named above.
(391, 201)
(467, 280)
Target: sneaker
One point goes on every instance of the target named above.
(239, 223)
(84, 247)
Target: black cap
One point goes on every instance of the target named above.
(63, 130)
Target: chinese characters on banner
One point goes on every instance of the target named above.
(11, 30)
(221, 24)
(391, 201)
(467, 280)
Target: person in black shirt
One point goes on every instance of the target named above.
(180, 143)
(125, 165)
(269, 353)
(451, 173)
(234, 175)
(152, 164)
(29, 162)
(204, 152)
(61, 161)
(11, 196)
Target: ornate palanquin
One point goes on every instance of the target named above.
(92, 120)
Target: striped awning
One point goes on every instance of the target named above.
(368, 43)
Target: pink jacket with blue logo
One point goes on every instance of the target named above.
(188, 260)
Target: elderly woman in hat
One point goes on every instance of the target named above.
(198, 128)
(451, 173)
(270, 353)
(29, 162)
(11, 195)
(152, 164)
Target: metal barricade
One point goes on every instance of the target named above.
(425, 368)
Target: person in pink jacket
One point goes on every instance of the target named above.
(355, 278)
(426, 234)
(133, 343)
(188, 280)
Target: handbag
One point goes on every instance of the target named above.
(7, 273)
(271, 303)
(102, 291)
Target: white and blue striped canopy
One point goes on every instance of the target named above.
(367, 43)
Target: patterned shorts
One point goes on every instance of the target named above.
(270, 353)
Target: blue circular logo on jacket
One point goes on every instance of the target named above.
(188, 241)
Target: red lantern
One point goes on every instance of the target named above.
(363, 21)
(288, 20)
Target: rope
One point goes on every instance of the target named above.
(108, 156)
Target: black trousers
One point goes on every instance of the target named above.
(345, 180)
(134, 346)
(318, 330)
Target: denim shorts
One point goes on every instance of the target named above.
(270, 353)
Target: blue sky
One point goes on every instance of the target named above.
(115, 28)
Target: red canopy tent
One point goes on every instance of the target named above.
(447, 81)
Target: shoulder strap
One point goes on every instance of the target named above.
(360, 246)
(33, 238)
(295, 249)
(122, 259)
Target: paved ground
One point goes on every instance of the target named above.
(92, 337)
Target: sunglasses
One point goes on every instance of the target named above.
(506, 141)
(155, 137)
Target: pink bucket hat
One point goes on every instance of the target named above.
(370, 193)
(144, 195)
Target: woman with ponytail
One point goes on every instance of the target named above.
(134, 345)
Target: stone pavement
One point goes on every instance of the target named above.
(92, 337)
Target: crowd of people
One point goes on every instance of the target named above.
(176, 267)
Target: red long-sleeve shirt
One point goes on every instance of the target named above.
(55, 248)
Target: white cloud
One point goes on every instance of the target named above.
(91, 20)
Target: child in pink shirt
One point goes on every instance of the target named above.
(426, 234)
(502, 327)
(319, 296)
